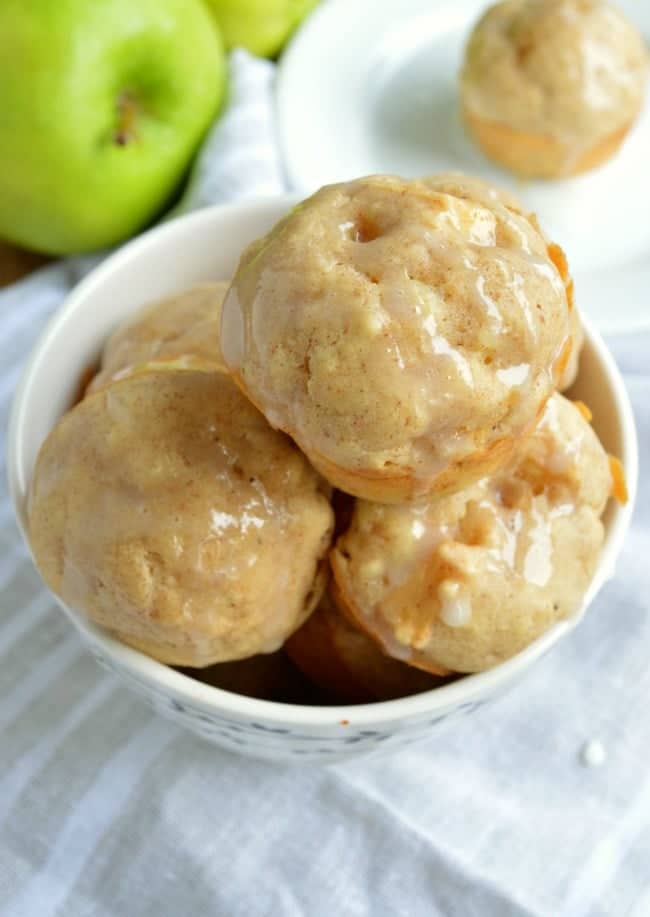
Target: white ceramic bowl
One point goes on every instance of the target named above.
(206, 246)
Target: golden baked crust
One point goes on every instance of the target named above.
(165, 509)
(568, 364)
(539, 155)
(570, 372)
(405, 333)
(551, 88)
(467, 581)
(181, 329)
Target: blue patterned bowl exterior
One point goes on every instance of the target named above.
(289, 733)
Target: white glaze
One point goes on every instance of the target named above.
(593, 753)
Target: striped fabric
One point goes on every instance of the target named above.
(107, 810)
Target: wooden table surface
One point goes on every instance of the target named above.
(15, 263)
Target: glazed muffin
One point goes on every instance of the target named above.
(165, 509)
(550, 88)
(467, 581)
(406, 334)
(183, 327)
(347, 664)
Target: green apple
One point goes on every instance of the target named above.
(102, 105)
(261, 26)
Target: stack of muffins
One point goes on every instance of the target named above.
(356, 451)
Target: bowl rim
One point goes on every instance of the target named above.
(467, 689)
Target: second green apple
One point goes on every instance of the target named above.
(260, 26)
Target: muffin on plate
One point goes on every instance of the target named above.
(406, 334)
(466, 581)
(551, 88)
(165, 509)
(345, 662)
(184, 327)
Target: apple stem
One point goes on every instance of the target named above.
(127, 111)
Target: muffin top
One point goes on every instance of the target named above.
(574, 70)
(166, 509)
(182, 327)
(467, 581)
(399, 326)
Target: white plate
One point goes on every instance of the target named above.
(371, 86)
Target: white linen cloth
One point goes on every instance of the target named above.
(107, 810)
